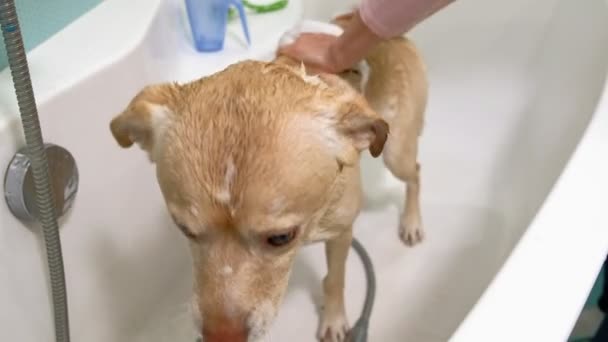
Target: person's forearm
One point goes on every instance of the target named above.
(353, 45)
(377, 20)
(390, 18)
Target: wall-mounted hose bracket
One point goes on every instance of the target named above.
(19, 190)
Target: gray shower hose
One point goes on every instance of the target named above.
(40, 168)
(359, 331)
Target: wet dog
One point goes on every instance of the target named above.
(262, 158)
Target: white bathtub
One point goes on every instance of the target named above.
(514, 163)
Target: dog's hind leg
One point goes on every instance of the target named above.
(410, 228)
(400, 159)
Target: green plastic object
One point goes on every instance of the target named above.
(260, 9)
(275, 6)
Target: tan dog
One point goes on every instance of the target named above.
(397, 89)
(260, 159)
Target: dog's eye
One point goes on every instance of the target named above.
(279, 240)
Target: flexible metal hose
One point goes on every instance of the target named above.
(359, 331)
(40, 169)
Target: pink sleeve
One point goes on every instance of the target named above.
(390, 18)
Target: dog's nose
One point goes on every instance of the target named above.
(225, 334)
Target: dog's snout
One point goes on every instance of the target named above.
(225, 331)
(231, 335)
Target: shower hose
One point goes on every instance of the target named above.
(39, 164)
(359, 331)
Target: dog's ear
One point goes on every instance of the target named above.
(362, 125)
(355, 120)
(146, 118)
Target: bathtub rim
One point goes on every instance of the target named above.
(512, 319)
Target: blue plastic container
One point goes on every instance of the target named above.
(208, 20)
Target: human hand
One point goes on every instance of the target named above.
(315, 50)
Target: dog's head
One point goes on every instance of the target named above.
(246, 160)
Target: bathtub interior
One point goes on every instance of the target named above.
(513, 86)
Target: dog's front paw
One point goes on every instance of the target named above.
(333, 328)
(411, 232)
